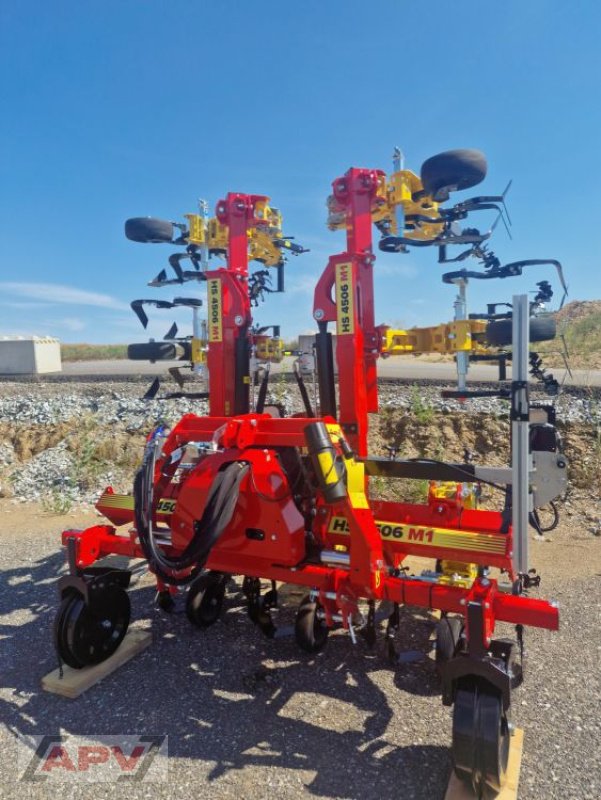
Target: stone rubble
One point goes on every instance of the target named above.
(118, 406)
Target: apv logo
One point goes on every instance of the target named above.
(62, 758)
(345, 310)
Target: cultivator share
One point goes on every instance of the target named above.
(247, 491)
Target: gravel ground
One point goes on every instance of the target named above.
(252, 718)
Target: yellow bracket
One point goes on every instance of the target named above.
(198, 229)
(270, 348)
(199, 351)
(451, 337)
(403, 188)
(456, 573)
(261, 245)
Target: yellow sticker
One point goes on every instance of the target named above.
(345, 304)
(215, 318)
(492, 543)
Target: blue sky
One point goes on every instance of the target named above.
(120, 108)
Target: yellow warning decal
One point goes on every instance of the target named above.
(215, 318)
(166, 506)
(126, 502)
(328, 469)
(491, 543)
(345, 302)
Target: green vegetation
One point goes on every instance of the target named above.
(419, 408)
(580, 324)
(58, 502)
(93, 352)
(583, 337)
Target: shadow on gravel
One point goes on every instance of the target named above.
(230, 700)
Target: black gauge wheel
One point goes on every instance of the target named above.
(310, 630)
(481, 737)
(84, 635)
(205, 599)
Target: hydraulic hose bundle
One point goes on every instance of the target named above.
(219, 509)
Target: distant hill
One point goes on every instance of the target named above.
(580, 323)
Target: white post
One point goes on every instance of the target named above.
(520, 433)
(463, 360)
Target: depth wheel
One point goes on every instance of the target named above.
(452, 171)
(310, 629)
(480, 737)
(85, 635)
(499, 332)
(205, 599)
(448, 639)
(60, 630)
(148, 229)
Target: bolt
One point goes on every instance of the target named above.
(318, 313)
(462, 601)
(238, 319)
(485, 582)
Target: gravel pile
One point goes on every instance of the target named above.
(120, 402)
(128, 410)
(115, 409)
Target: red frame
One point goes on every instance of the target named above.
(373, 569)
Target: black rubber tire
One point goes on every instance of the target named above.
(85, 636)
(159, 351)
(204, 602)
(499, 331)
(164, 600)
(60, 630)
(452, 171)
(448, 638)
(149, 230)
(310, 630)
(481, 737)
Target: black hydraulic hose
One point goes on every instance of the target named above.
(303, 390)
(535, 520)
(262, 393)
(218, 512)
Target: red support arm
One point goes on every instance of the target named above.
(350, 276)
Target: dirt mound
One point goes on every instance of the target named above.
(485, 438)
(578, 309)
(579, 323)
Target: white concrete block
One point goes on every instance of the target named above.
(31, 355)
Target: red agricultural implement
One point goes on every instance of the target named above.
(248, 492)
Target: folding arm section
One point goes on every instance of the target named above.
(229, 308)
(345, 294)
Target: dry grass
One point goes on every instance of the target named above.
(93, 352)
